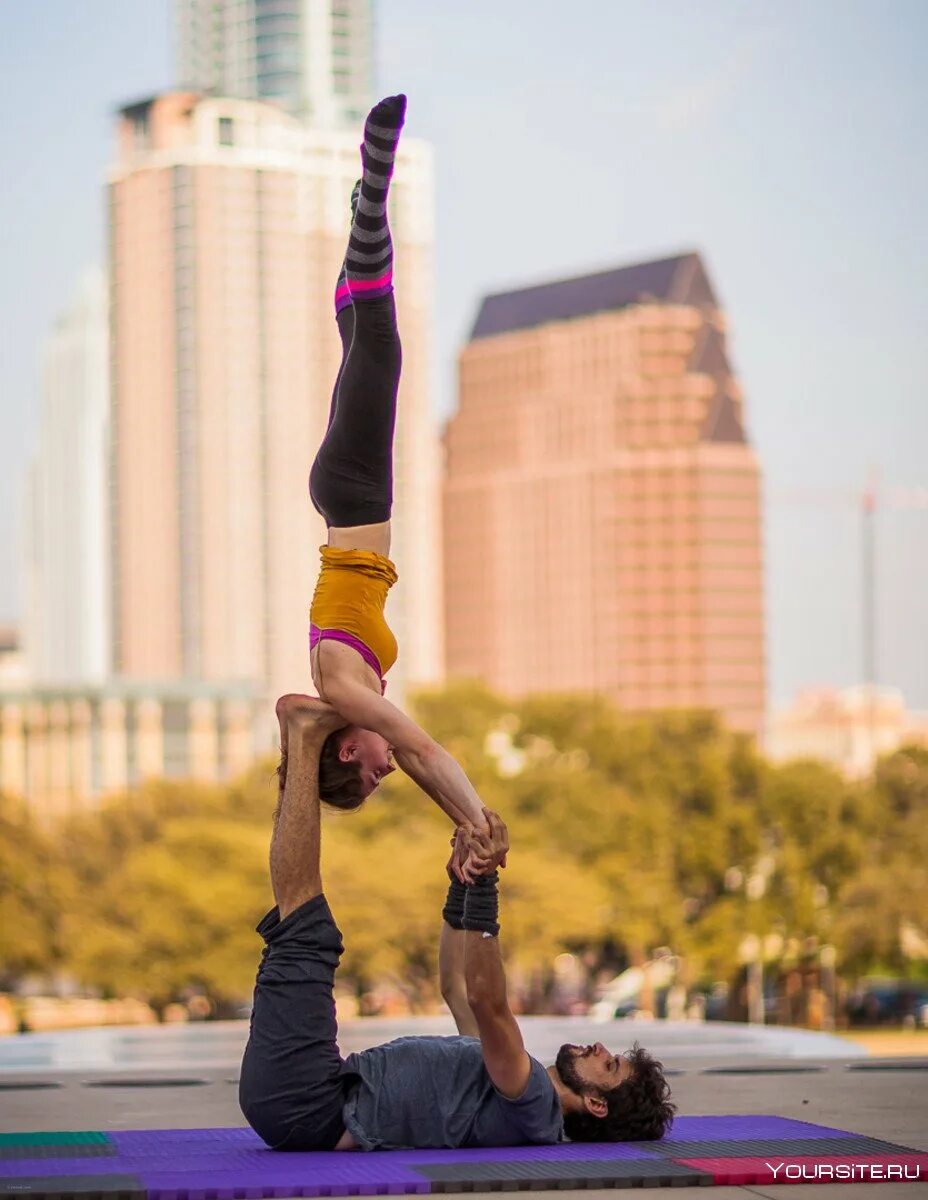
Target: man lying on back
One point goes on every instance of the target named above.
(478, 1089)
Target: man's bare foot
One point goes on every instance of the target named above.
(302, 714)
(297, 713)
(281, 710)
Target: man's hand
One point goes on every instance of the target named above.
(465, 862)
(487, 848)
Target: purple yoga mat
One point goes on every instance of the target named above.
(234, 1164)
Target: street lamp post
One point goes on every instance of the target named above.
(750, 954)
(828, 958)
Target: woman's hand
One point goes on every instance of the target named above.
(462, 864)
(484, 849)
(458, 853)
(466, 862)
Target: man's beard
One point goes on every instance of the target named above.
(565, 1065)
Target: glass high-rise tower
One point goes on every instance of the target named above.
(313, 57)
(67, 628)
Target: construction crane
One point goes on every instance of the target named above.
(870, 500)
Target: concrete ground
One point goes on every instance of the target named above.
(717, 1070)
(890, 1043)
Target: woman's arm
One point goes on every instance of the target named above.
(421, 757)
(453, 981)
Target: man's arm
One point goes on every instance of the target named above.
(451, 948)
(504, 1055)
(452, 980)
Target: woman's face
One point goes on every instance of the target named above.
(372, 753)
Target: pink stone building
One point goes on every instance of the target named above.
(602, 520)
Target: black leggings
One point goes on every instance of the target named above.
(351, 480)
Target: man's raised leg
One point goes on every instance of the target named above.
(296, 874)
(292, 1086)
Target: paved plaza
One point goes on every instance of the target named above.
(184, 1076)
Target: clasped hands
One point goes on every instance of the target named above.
(478, 850)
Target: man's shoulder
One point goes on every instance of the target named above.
(535, 1116)
(538, 1084)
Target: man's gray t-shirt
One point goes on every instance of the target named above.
(419, 1092)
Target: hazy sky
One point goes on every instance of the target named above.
(785, 141)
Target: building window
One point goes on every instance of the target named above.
(226, 131)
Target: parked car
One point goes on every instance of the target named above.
(621, 996)
(884, 1001)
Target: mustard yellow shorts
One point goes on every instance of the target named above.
(349, 599)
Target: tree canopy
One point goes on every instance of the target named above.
(629, 832)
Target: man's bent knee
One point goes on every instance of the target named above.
(281, 1132)
(268, 1125)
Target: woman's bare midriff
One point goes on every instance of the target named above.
(362, 537)
(334, 660)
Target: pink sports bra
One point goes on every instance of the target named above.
(317, 635)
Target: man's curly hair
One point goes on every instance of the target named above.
(640, 1108)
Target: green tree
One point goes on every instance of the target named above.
(885, 899)
(169, 885)
(628, 832)
(33, 885)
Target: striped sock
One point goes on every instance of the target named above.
(369, 261)
(342, 297)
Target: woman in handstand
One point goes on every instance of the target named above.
(351, 486)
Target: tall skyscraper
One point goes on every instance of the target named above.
(313, 57)
(602, 509)
(228, 225)
(67, 598)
